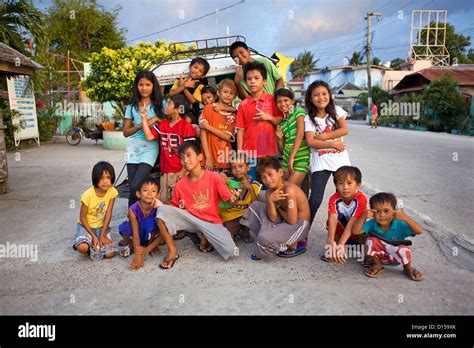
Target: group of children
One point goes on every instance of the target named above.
(210, 159)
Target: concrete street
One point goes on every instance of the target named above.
(43, 206)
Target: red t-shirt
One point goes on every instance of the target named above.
(344, 212)
(170, 139)
(201, 198)
(259, 136)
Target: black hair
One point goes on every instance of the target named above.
(189, 144)
(383, 197)
(311, 108)
(180, 102)
(284, 92)
(99, 170)
(345, 171)
(156, 94)
(268, 162)
(255, 66)
(148, 180)
(209, 89)
(236, 45)
(203, 62)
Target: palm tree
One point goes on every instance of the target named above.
(356, 58)
(18, 20)
(305, 63)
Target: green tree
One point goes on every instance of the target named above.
(456, 44)
(82, 27)
(442, 100)
(113, 71)
(395, 63)
(356, 58)
(303, 64)
(376, 61)
(20, 20)
(379, 96)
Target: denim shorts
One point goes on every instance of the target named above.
(82, 236)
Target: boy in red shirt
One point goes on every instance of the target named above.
(172, 132)
(345, 207)
(195, 206)
(257, 118)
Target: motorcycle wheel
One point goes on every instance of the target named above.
(73, 138)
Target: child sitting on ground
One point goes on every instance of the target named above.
(249, 193)
(195, 207)
(92, 236)
(283, 219)
(141, 228)
(345, 207)
(386, 227)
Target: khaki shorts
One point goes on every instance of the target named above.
(167, 183)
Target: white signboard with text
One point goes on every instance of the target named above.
(22, 99)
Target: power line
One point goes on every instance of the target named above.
(187, 22)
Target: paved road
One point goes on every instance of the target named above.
(42, 209)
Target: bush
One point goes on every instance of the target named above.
(8, 116)
(47, 124)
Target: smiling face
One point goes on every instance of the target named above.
(145, 87)
(384, 214)
(148, 192)
(255, 81)
(272, 177)
(226, 95)
(190, 160)
(285, 104)
(347, 187)
(208, 98)
(242, 55)
(196, 71)
(320, 97)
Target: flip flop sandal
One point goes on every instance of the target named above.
(170, 265)
(291, 252)
(411, 275)
(255, 257)
(325, 259)
(206, 248)
(376, 274)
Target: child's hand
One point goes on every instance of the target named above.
(246, 182)
(291, 160)
(190, 83)
(209, 164)
(235, 196)
(238, 74)
(143, 112)
(137, 262)
(341, 256)
(262, 115)
(152, 120)
(106, 241)
(181, 81)
(400, 215)
(371, 213)
(321, 137)
(157, 203)
(216, 107)
(278, 194)
(338, 145)
(203, 123)
(95, 243)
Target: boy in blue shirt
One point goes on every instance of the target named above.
(390, 225)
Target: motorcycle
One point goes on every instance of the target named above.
(80, 130)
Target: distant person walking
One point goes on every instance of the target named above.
(374, 113)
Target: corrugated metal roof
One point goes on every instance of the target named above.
(463, 75)
(11, 56)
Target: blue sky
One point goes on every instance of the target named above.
(332, 29)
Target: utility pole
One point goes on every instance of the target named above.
(368, 51)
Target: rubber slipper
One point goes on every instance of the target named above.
(376, 274)
(411, 275)
(255, 257)
(173, 260)
(292, 252)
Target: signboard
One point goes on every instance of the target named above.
(22, 99)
